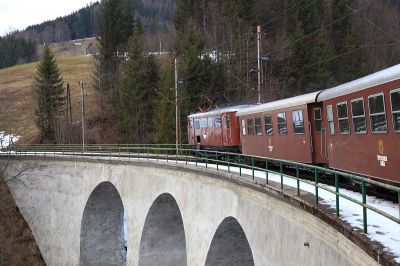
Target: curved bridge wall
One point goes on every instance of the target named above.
(55, 192)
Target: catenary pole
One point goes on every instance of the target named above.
(259, 63)
(83, 113)
(176, 106)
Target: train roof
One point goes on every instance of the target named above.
(280, 104)
(377, 78)
(219, 111)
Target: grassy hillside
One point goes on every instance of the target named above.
(17, 103)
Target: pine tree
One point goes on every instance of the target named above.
(135, 106)
(115, 28)
(48, 86)
(346, 42)
(164, 106)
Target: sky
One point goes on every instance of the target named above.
(19, 14)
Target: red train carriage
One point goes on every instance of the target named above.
(362, 129)
(354, 127)
(215, 130)
(282, 129)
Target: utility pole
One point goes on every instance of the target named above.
(176, 106)
(259, 63)
(81, 82)
(69, 105)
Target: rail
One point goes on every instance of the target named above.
(186, 154)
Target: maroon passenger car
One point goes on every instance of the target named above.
(362, 128)
(282, 129)
(215, 130)
(354, 127)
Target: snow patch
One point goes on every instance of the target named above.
(7, 140)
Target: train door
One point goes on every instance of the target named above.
(226, 130)
(318, 134)
(196, 132)
(190, 131)
(218, 131)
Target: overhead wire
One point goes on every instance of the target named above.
(328, 59)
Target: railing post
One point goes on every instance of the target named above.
(240, 165)
(316, 185)
(252, 166)
(398, 199)
(229, 168)
(281, 172)
(266, 171)
(216, 160)
(297, 179)
(337, 193)
(206, 158)
(364, 201)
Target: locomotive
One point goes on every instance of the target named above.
(353, 127)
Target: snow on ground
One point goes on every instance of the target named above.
(6, 140)
(380, 228)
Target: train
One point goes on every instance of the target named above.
(353, 127)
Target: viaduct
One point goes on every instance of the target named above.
(175, 215)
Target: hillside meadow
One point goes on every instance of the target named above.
(17, 101)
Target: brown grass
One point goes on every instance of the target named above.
(17, 105)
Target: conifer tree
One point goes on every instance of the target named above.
(115, 28)
(48, 86)
(135, 105)
(164, 106)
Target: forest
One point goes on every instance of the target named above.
(306, 45)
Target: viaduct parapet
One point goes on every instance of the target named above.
(175, 215)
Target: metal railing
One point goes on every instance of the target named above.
(187, 155)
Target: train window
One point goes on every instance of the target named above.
(250, 128)
(298, 122)
(217, 122)
(377, 113)
(343, 117)
(203, 122)
(282, 123)
(228, 122)
(358, 113)
(395, 102)
(209, 122)
(196, 124)
(331, 124)
(318, 120)
(243, 127)
(268, 125)
(257, 125)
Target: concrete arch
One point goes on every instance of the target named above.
(102, 232)
(163, 237)
(229, 245)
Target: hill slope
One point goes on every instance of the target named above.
(17, 102)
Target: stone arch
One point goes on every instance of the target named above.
(229, 245)
(102, 230)
(163, 238)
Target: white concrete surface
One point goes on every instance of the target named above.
(55, 192)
